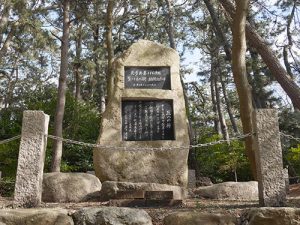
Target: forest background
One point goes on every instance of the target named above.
(56, 56)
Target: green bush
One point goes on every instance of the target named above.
(223, 162)
(7, 186)
(81, 122)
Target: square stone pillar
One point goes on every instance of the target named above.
(28, 188)
(268, 155)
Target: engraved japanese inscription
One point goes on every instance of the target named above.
(147, 120)
(140, 77)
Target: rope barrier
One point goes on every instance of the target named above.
(69, 141)
(9, 139)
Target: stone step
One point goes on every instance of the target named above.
(144, 202)
(130, 194)
(161, 203)
(159, 195)
(127, 202)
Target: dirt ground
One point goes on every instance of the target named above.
(157, 214)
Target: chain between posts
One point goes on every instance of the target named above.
(290, 137)
(69, 141)
(10, 139)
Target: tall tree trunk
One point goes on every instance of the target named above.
(240, 76)
(11, 86)
(96, 75)
(62, 85)
(170, 28)
(77, 63)
(4, 19)
(223, 40)
(223, 124)
(8, 41)
(217, 126)
(109, 45)
(146, 23)
(217, 28)
(228, 104)
(269, 57)
(214, 76)
(258, 95)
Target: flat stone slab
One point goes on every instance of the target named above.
(247, 191)
(35, 217)
(159, 195)
(144, 203)
(111, 188)
(111, 216)
(131, 194)
(193, 218)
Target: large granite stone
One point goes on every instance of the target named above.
(230, 190)
(272, 216)
(69, 187)
(110, 189)
(167, 166)
(111, 216)
(269, 164)
(35, 217)
(196, 218)
(28, 187)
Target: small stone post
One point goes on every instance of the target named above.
(268, 155)
(28, 188)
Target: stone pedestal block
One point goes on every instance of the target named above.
(268, 154)
(28, 188)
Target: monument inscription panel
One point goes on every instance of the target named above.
(147, 120)
(141, 77)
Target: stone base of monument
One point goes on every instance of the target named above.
(144, 199)
(128, 194)
(151, 191)
(144, 203)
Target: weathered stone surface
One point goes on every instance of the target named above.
(69, 187)
(111, 216)
(268, 155)
(230, 191)
(272, 216)
(28, 187)
(191, 178)
(196, 218)
(110, 189)
(167, 166)
(35, 217)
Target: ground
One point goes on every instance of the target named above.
(202, 205)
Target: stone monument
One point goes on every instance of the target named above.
(268, 155)
(28, 187)
(145, 111)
